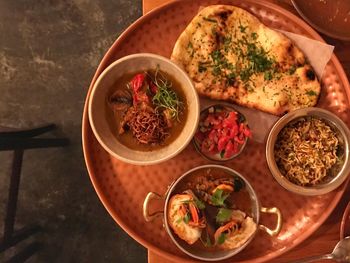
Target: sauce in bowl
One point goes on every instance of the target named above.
(146, 110)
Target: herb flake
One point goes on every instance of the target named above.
(311, 93)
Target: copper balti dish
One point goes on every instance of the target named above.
(338, 173)
(194, 251)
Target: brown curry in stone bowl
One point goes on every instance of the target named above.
(143, 109)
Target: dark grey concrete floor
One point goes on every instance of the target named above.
(49, 51)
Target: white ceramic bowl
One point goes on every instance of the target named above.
(97, 108)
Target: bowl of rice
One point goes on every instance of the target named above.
(307, 151)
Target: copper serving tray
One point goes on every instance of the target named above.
(122, 187)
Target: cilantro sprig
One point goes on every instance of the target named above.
(218, 198)
(223, 215)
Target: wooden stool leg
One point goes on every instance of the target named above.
(25, 253)
(13, 195)
(19, 235)
(8, 144)
(28, 132)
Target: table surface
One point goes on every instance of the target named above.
(325, 238)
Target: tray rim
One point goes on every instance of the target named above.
(86, 128)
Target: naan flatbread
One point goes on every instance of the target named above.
(230, 55)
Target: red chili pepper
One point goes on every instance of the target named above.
(136, 85)
(137, 82)
(153, 87)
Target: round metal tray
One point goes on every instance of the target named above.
(122, 187)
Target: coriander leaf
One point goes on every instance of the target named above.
(311, 93)
(223, 215)
(199, 204)
(218, 198)
(189, 45)
(254, 35)
(242, 28)
(221, 238)
(187, 218)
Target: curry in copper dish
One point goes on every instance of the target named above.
(211, 210)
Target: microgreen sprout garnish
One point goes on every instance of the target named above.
(165, 98)
(219, 197)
